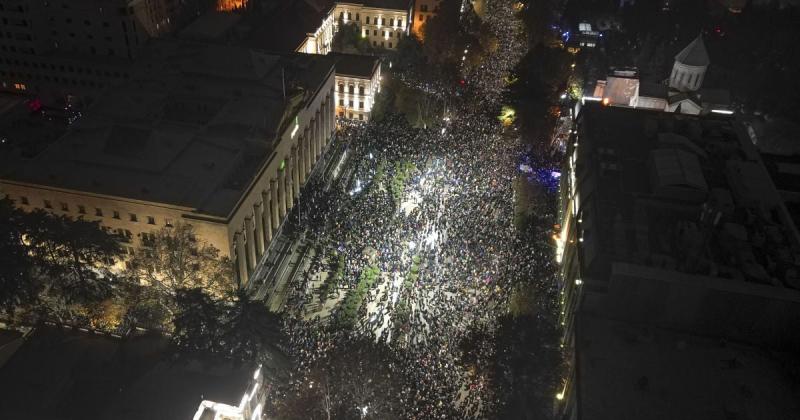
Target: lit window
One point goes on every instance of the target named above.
(168, 223)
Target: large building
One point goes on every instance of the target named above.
(424, 10)
(358, 81)
(218, 137)
(53, 49)
(381, 22)
(681, 282)
(682, 92)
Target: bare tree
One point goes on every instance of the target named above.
(174, 259)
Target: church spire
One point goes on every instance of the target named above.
(694, 54)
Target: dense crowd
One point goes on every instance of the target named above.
(452, 219)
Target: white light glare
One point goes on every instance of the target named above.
(722, 111)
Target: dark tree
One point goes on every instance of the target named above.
(252, 332)
(198, 322)
(73, 254)
(18, 286)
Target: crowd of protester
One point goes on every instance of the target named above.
(453, 219)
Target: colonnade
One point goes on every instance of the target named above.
(283, 190)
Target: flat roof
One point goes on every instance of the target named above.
(210, 26)
(191, 129)
(627, 371)
(61, 373)
(680, 192)
(355, 64)
(385, 4)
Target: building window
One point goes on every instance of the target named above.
(115, 214)
(47, 204)
(422, 18)
(151, 220)
(390, 45)
(423, 8)
(361, 117)
(358, 17)
(367, 19)
(351, 103)
(374, 44)
(341, 15)
(168, 223)
(383, 34)
(81, 209)
(375, 32)
(64, 207)
(133, 217)
(360, 104)
(341, 87)
(399, 22)
(383, 45)
(349, 16)
(98, 212)
(24, 200)
(351, 115)
(383, 21)
(361, 90)
(352, 89)
(341, 102)
(391, 22)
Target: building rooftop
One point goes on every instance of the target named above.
(694, 54)
(62, 373)
(355, 64)
(190, 129)
(634, 372)
(286, 27)
(384, 4)
(681, 193)
(210, 26)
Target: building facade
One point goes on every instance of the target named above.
(358, 81)
(56, 48)
(424, 10)
(229, 158)
(381, 22)
(672, 239)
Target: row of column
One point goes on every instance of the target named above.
(276, 201)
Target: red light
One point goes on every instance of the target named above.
(34, 105)
(462, 82)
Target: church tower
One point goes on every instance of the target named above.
(690, 67)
